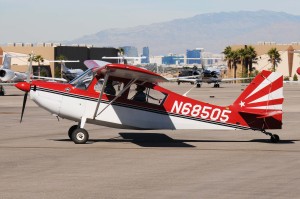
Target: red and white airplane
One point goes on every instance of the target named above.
(86, 100)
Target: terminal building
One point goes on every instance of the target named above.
(50, 52)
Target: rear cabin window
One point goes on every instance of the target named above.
(144, 94)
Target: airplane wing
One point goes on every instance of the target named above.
(291, 82)
(192, 78)
(233, 79)
(7, 84)
(95, 63)
(50, 78)
(124, 71)
(130, 72)
(123, 57)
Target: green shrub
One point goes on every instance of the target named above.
(286, 78)
(295, 78)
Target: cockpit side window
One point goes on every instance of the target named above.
(84, 80)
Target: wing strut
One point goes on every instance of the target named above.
(100, 96)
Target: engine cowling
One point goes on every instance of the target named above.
(6, 75)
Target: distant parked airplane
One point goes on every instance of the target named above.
(8, 77)
(68, 73)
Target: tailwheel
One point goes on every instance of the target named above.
(275, 138)
(71, 129)
(80, 136)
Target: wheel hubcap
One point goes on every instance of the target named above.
(80, 136)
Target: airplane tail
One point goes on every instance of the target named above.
(6, 62)
(64, 67)
(260, 104)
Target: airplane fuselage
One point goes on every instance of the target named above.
(87, 99)
(176, 112)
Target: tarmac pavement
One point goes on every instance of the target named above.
(37, 160)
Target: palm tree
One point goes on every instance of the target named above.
(251, 57)
(228, 57)
(274, 58)
(38, 59)
(121, 54)
(235, 56)
(242, 58)
(58, 69)
(232, 57)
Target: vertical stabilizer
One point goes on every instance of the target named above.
(6, 61)
(260, 104)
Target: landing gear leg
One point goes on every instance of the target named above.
(78, 134)
(274, 137)
(216, 85)
(2, 92)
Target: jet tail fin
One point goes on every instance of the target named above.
(6, 61)
(64, 67)
(260, 104)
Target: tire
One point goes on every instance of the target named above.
(71, 129)
(275, 138)
(198, 85)
(80, 136)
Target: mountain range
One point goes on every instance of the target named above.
(212, 31)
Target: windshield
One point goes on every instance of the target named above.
(84, 80)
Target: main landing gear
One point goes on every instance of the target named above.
(216, 85)
(78, 135)
(2, 91)
(274, 137)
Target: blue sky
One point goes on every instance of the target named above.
(58, 20)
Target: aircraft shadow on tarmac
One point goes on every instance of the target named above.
(162, 140)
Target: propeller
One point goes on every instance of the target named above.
(24, 104)
(25, 86)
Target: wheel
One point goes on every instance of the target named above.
(275, 138)
(198, 85)
(178, 83)
(80, 136)
(71, 129)
(2, 93)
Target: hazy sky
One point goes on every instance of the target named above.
(58, 20)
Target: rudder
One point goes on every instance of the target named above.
(260, 104)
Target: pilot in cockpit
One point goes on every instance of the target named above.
(109, 89)
(140, 96)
